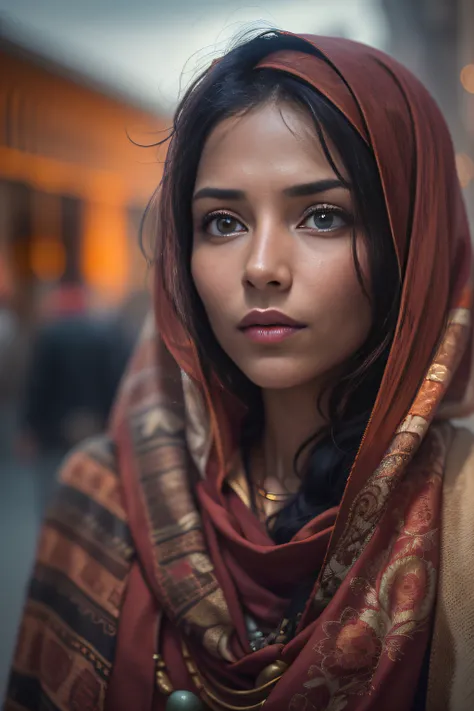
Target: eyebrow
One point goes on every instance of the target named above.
(318, 186)
(219, 194)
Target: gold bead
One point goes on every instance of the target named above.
(271, 673)
(163, 683)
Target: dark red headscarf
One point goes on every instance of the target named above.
(203, 558)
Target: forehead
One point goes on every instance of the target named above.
(276, 142)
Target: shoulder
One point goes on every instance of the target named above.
(87, 520)
(460, 460)
(451, 684)
(458, 492)
(67, 638)
(91, 471)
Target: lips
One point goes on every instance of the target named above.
(269, 327)
(269, 318)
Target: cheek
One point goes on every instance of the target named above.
(347, 307)
(213, 279)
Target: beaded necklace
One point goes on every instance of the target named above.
(213, 693)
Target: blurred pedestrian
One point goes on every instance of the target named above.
(9, 342)
(76, 364)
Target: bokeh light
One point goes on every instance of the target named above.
(467, 78)
(465, 169)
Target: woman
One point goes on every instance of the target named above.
(262, 526)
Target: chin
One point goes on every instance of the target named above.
(277, 375)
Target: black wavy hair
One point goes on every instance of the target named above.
(231, 87)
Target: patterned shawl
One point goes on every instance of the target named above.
(201, 559)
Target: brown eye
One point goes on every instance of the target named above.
(223, 226)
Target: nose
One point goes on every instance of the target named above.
(268, 264)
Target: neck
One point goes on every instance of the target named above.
(291, 417)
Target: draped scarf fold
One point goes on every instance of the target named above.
(204, 560)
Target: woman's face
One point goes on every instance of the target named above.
(272, 257)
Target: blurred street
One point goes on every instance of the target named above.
(20, 514)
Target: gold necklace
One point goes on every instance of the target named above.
(275, 497)
(271, 495)
(211, 690)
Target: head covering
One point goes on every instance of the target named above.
(204, 560)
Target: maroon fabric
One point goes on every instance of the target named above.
(136, 641)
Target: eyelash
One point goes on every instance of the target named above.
(314, 210)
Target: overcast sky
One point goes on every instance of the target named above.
(149, 47)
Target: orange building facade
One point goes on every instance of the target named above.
(72, 183)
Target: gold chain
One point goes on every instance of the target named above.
(211, 697)
(165, 686)
(273, 496)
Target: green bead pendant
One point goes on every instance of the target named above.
(183, 701)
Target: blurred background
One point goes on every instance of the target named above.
(87, 89)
